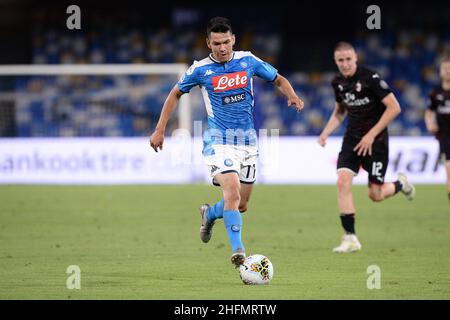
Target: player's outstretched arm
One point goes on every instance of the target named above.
(392, 110)
(286, 89)
(430, 121)
(157, 138)
(335, 121)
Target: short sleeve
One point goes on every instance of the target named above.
(378, 86)
(264, 70)
(335, 86)
(189, 79)
(433, 102)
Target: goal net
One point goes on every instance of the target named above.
(89, 100)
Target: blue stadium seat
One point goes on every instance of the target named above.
(406, 60)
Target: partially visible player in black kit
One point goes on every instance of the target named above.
(370, 105)
(437, 116)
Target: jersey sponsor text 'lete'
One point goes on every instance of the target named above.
(227, 90)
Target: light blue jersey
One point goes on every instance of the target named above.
(227, 90)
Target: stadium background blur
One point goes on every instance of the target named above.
(298, 41)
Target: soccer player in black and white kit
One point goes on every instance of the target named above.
(370, 106)
(437, 116)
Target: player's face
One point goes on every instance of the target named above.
(346, 61)
(445, 71)
(221, 45)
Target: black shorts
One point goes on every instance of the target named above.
(444, 147)
(375, 165)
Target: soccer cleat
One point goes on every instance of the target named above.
(206, 227)
(350, 243)
(407, 187)
(238, 257)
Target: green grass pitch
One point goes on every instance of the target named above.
(142, 242)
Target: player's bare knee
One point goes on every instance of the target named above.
(343, 185)
(244, 203)
(375, 196)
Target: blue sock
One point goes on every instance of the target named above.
(216, 211)
(233, 223)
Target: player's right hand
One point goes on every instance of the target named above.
(322, 139)
(157, 140)
(296, 102)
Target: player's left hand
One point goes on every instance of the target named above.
(364, 146)
(296, 102)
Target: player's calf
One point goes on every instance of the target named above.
(242, 208)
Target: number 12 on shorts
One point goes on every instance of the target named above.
(376, 167)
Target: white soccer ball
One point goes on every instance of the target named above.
(256, 269)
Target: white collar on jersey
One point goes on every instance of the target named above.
(217, 61)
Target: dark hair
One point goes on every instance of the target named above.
(343, 46)
(218, 24)
(445, 59)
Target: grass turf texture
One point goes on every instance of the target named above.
(142, 242)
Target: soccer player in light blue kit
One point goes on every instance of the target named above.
(229, 144)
